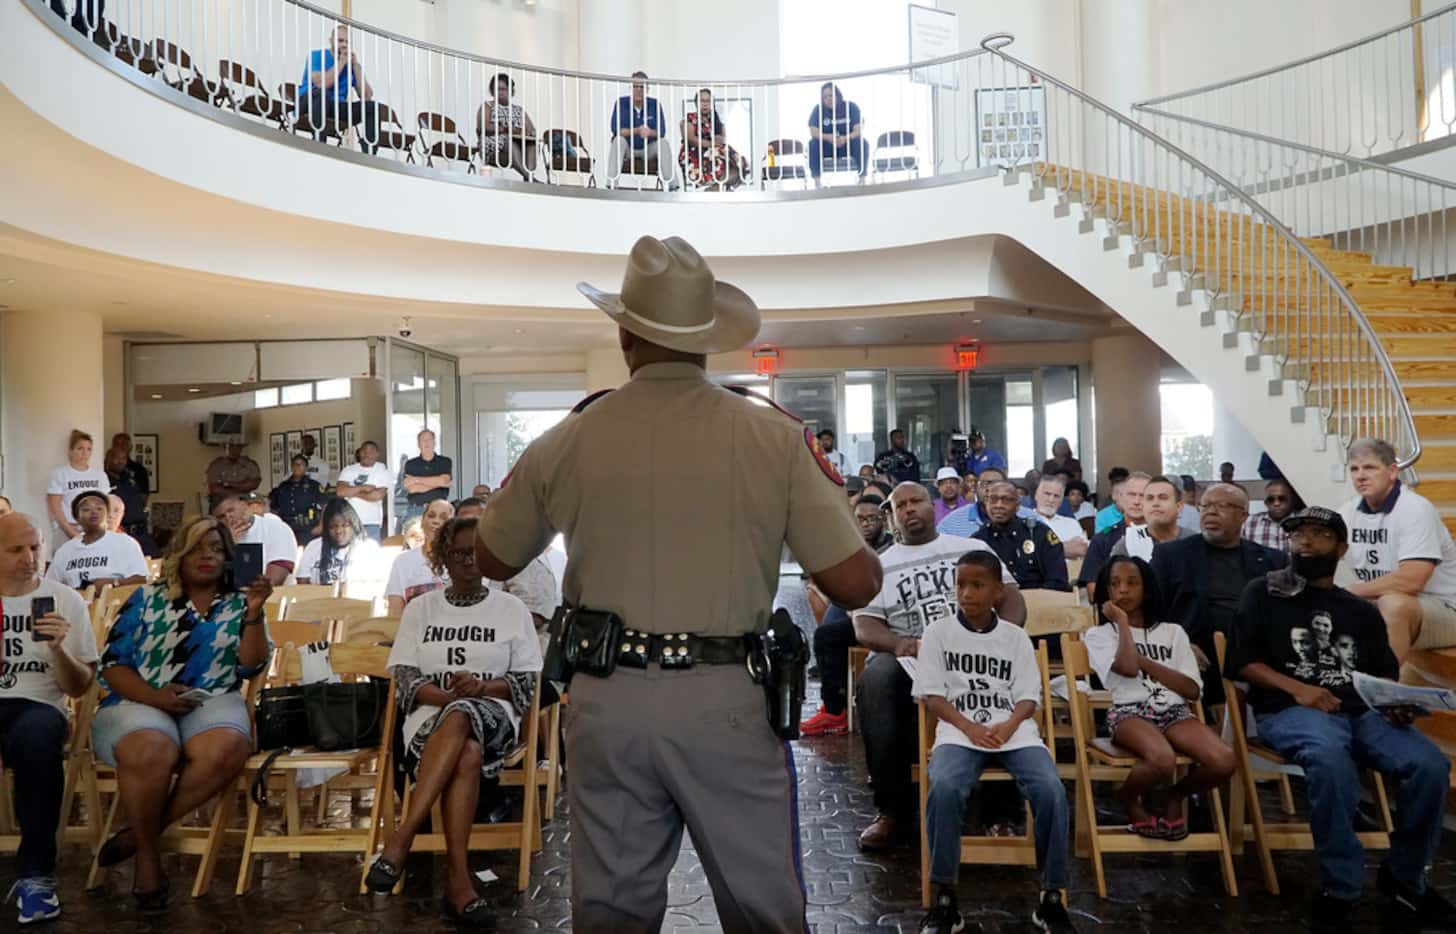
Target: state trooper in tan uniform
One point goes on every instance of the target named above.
(654, 747)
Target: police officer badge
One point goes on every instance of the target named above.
(1028, 546)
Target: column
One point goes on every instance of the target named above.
(1129, 419)
(610, 36)
(605, 369)
(50, 382)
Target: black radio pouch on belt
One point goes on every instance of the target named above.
(591, 640)
(777, 659)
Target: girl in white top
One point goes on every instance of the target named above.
(1153, 675)
(411, 574)
(69, 481)
(97, 554)
(465, 663)
(343, 554)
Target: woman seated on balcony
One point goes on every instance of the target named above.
(174, 663)
(507, 135)
(465, 663)
(343, 554)
(707, 159)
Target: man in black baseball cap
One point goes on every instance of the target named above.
(1298, 640)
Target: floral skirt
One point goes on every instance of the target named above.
(1160, 718)
(490, 726)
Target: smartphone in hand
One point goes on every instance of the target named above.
(247, 563)
(40, 606)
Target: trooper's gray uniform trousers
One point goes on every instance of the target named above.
(652, 751)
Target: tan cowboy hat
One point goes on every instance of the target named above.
(669, 297)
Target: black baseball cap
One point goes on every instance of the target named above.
(1318, 515)
(854, 484)
(85, 495)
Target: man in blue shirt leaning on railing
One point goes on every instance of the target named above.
(323, 94)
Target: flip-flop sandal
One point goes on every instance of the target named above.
(120, 848)
(1151, 828)
(1174, 829)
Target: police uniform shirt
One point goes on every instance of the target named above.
(1406, 527)
(26, 672)
(132, 483)
(113, 555)
(984, 675)
(675, 497)
(1031, 550)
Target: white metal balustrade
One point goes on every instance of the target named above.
(1387, 92)
(982, 112)
(1222, 244)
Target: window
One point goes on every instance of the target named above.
(265, 398)
(296, 394)
(1187, 410)
(327, 389)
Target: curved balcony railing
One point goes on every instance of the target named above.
(982, 112)
(1387, 92)
(1223, 241)
(270, 64)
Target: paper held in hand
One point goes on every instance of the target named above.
(1378, 693)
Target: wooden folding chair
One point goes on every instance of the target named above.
(524, 835)
(348, 660)
(1050, 621)
(298, 592)
(979, 849)
(1288, 835)
(1100, 760)
(77, 755)
(372, 630)
(859, 657)
(328, 610)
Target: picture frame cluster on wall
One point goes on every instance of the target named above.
(330, 443)
(1010, 125)
(144, 450)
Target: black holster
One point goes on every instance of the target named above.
(582, 640)
(777, 659)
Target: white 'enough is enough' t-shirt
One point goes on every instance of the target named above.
(984, 675)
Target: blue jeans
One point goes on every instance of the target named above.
(32, 745)
(857, 151)
(373, 531)
(955, 770)
(1328, 748)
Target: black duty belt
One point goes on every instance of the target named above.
(680, 650)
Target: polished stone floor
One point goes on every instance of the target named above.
(848, 891)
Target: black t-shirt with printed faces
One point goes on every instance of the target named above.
(1320, 637)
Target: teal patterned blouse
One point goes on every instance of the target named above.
(169, 642)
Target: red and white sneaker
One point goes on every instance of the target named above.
(825, 723)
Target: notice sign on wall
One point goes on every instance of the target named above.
(934, 34)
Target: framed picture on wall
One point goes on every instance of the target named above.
(293, 445)
(318, 441)
(349, 444)
(278, 457)
(144, 449)
(1018, 109)
(332, 446)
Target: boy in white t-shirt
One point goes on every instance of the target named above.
(97, 554)
(977, 676)
(44, 658)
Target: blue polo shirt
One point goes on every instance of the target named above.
(323, 60)
(626, 116)
(967, 520)
(976, 463)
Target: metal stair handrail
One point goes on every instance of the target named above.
(1383, 93)
(1163, 196)
(1317, 193)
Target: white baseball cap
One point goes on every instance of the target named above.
(946, 473)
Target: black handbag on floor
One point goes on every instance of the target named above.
(345, 716)
(282, 718)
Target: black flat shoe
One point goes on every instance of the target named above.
(117, 850)
(477, 913)
(383, 876)
(154, 900)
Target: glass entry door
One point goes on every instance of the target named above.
(927, 409)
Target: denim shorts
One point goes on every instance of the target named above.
(115, 723)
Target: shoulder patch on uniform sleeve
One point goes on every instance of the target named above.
(754, 396)
(829, 469)
(581, 406)
(1052, 537)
